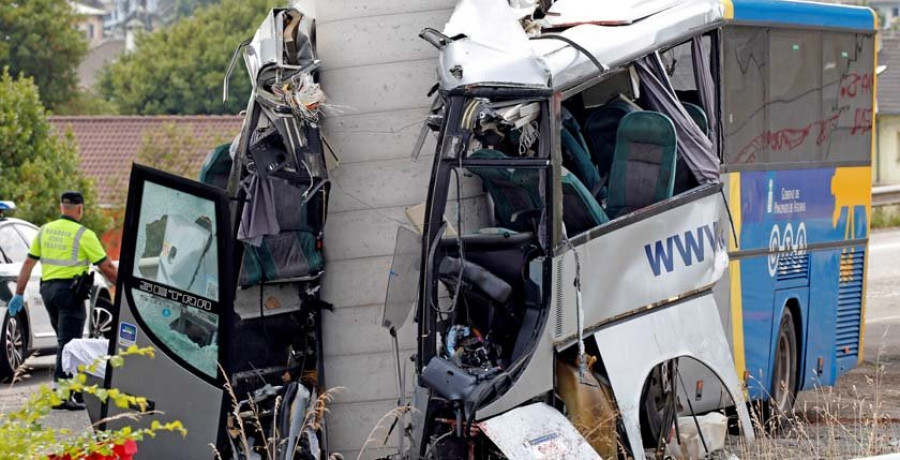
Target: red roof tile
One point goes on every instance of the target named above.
(108, 145)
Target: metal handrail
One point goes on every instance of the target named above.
(885, 195)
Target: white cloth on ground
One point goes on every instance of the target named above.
(84, 352)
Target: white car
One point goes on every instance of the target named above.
(30, 331)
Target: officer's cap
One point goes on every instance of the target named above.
(71, 198)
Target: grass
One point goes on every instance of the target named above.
(828, 423)
(241, 426)
(886, 216)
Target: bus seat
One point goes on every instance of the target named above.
(600, 131)
(511, 190)
(643, 168)
(581, 211)
(698, 115)
(577, 156)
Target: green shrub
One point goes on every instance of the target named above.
(24, 436)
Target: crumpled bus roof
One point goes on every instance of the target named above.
(497, 51)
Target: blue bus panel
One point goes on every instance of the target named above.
(804, 14)
(811, 225)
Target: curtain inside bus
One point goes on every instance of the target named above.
(706, 87)
(694, 147)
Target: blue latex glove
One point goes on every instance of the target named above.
(16, 304)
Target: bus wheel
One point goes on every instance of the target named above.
(784, 376)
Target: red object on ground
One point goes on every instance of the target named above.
(124, 451)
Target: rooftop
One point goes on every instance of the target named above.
(494, 49)
(109, 144)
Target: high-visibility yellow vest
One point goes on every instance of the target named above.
(66, 249)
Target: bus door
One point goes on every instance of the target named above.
(174, 294)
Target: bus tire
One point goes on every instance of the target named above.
(783, 391)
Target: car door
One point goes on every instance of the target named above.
(175, 294)
(15, 247)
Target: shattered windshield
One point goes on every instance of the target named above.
(176, 249)
(175, 241)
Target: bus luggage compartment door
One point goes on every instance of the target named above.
(174, 294)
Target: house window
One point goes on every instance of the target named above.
(90, 31)
(895, 11)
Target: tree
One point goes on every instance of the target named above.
(184, 8)
(40, 39)
(179, 69)
(36, 164)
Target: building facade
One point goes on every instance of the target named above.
(886, 170)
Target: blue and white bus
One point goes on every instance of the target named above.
(797, 82)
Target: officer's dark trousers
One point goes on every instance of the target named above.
(67, 316)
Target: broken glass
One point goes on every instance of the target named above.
(176, 241)
(188, 332)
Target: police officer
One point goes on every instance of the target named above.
(66, 249)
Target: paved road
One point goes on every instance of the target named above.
(882, 338)
(883, 305)
(41, 373)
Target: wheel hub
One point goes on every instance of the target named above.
(15, 343)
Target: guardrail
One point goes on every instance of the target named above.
(885, 195)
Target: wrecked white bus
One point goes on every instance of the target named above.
(567, 290)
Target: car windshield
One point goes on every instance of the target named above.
(12, 245)
(28, 233)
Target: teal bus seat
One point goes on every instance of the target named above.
(600, 131)
(643, 167)
(698, 115)
(581, 211)
(512, 190)
(576, 156)
(217, 167)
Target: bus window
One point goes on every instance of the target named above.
(744, 60)
(794, 102)
(627, 151)
(679, 66)
(813, 104)
(847, 86)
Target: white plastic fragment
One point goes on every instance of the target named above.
(537, 432)
(714, 427)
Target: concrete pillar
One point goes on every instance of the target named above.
(377, 71)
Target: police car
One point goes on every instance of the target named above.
(30, 331)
